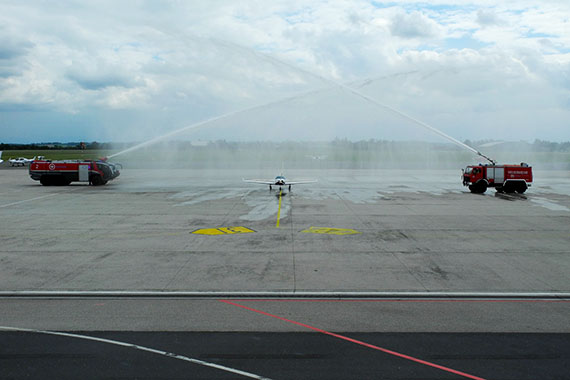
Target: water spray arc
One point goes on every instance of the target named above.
(204, 123)
(369, 99)
(211, 120)
(416, 121)
(276, 61)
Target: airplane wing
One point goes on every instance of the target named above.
(299, 182)
(261, 181)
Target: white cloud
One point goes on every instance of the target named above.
(186, 61)
(414, 25)
(487, 17)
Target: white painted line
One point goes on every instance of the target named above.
(36, 198)
(29, 200)
(278, 294)
(141, 348)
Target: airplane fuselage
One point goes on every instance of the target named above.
(17, 161)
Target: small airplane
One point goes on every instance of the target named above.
(280, 181)
(20, 161)
(23, 161)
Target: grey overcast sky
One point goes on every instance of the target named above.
(133, 70)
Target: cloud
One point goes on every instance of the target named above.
(12, 49)
(201, 59)
(12, 54)
(414, 25)
(98, 81)
(486, 17)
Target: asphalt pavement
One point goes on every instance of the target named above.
(199, 244)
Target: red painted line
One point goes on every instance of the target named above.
(390, 352)
(398, 300)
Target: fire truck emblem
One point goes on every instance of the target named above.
(51, 166)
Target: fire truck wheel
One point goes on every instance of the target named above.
(499, 189)
(96, 180)
(45, 180)
(478, 188)
(521, 189)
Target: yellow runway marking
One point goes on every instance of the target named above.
(223, 231)
(279, 209)
(331, 231)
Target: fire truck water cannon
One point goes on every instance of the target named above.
(62, 173)
(493, 162)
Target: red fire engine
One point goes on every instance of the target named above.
(504, 178)
(62, 173)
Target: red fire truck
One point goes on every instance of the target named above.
(62, 173)
(504, 178)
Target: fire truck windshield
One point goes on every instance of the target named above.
(468, 170)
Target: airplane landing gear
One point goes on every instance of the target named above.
(270, 188)
(289, 187)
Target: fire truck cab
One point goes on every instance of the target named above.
(504, 178)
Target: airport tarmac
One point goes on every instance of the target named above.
(352, 231)
(385, 235)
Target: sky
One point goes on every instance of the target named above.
(284, 70)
